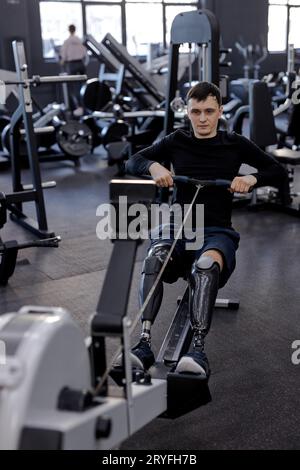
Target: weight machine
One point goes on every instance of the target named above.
(54, 397)
(253, 57)
(9, 249)
(127, 74)
(110, 70)
(199, 27)
(23, 114)
(144, 88)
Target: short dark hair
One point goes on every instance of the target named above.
(72, 29)
(202, 90)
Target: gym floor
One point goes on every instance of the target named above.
(254, 385)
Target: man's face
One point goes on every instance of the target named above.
(204, 116)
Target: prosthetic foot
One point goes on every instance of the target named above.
(204, 284)
(142, 356)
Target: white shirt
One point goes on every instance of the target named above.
(72, 49)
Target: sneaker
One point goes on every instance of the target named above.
(142, 356)
(195, 362)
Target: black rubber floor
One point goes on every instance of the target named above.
(254, 385)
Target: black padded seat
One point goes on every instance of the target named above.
(262, 125)
(287, 156)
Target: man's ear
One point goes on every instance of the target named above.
(221, 110)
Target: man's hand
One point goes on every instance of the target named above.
(161, 175)
(242, 184)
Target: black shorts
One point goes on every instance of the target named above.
(224, 240)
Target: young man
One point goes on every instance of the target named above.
(73, 54)
(204, 153)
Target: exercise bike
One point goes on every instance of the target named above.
(54, 389)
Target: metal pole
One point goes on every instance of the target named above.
(190, 65)
(26, 104)
(205, 68)
(200, 70)
(291, 59)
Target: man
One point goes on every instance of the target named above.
(73, 55)
(204, 153)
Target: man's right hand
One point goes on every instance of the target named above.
(161, 175)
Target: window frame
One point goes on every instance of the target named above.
(122, 3)
(288, 7)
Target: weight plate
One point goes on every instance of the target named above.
(4, 121)
(5, 139)
(75, 139)
(95, 95)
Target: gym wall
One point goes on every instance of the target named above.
(20, 19)
(247, 19)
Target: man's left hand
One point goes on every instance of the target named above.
(242, 184)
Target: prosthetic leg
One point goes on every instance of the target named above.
(142, 356)
(156, 257)
(204, 284)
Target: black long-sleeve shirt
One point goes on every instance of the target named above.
(219, 157)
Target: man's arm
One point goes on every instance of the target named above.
(270, 172)
(150, 160)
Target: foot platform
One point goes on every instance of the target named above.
(185, 393)
(138, 376)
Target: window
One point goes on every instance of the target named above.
(135, 23)
(101, 19)
(284, 16)
(54, 25)
(294, 26)
(148, 28)
(171, 12)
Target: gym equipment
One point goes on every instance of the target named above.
(91, 122)
(117, 153)
(75, 139)
(125, 73)
(7, 90)
(126, 126)
(109, 129)
(9, 250)
(95, 95)
(48, 399)
(4, 122)
(253, 56)
(106, 59)
(40, 226)
(287, 111)
(199, 27)
(284, 110)
(149, 95)
(114, 132)
(134, 88)
(9, 253)
(263, 133)
(25, 110)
